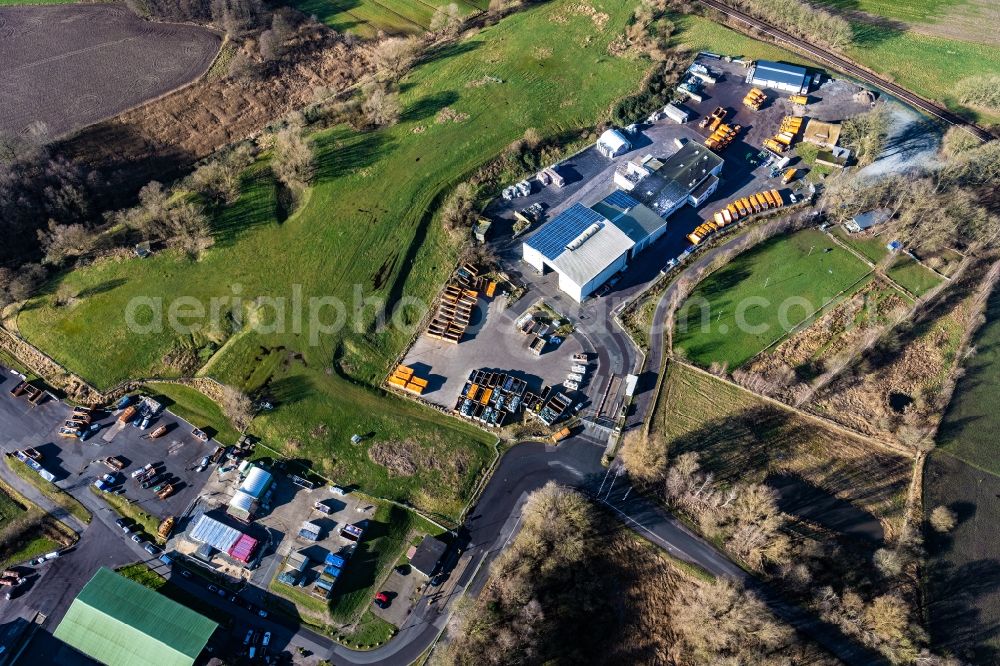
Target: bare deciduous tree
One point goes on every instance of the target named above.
(447, 20)
(65, 241)
(394, 56)
(292, 160)
(237, 407)
(380, 106)
(943, 519)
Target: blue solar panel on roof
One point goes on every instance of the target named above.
(619, 199)
(551, 240)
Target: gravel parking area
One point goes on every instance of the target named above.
(76, 465)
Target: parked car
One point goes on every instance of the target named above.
(266, 639)
(137, 537)
(249, 637)
(151, 549)
(262, 613)
(213, 588)
(121, 523)
(382, 600)
(185, 573)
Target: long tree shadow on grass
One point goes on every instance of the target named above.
(426, 107)
(344, 150)
(291, 389)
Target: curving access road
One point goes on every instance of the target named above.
(849, 67)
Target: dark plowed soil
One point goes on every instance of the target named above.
(69, 66)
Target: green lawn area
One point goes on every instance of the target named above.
(970, 425)
(196, 408)
(929, 66)
(54, 493)
(700, 34)
(367, 231)
(912, 275)
(366, 17)
(763, 294)
(872, 248)
(914, 11)
(149, 523)
(25, 530)
(9, 509)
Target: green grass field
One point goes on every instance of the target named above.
(367, 231)
(972, 420)
(195, 408)
(763, 294)
(9, 509)
(700, 34)
(366, 18)
(929, 66)
(873, 248)
(912, 275)
(913, 11)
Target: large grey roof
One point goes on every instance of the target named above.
(768, 70)
(637, 221)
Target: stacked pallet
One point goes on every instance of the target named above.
(404, 378)
(453, 313)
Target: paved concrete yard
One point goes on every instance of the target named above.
(404, 592)
(490, 342)
(72, 462)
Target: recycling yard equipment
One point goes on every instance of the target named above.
(403, 377)
(352, 532)
(754, 99)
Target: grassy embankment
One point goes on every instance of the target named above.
(367, 230)
(58, 496)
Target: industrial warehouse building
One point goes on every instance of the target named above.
(585, 246)
(119, 622)
(779, 76)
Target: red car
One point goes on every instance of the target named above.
(382, 600)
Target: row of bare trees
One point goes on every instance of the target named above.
(953, 205)
(557, 576)
(802, 19)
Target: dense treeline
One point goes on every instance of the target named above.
(564, 592)
(955, 205)
(800, 19)
(233, 16)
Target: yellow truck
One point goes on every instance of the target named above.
(733, 211)
(774, 146)
(561, 435)
(777, 197)
(785, 138)
(788, 176)
(771, 203)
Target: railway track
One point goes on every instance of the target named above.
(850, 68)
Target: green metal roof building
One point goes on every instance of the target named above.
(122, 623)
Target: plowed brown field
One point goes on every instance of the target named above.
(69, 66)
